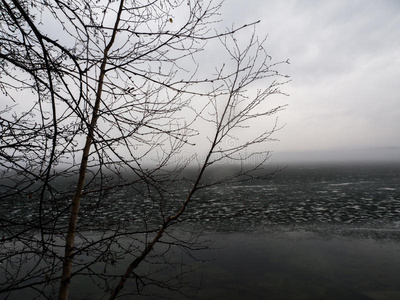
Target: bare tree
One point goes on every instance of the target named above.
(103, 105)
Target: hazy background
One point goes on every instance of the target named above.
(344, 58)
(345, 69)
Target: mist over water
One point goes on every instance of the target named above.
(338, 156)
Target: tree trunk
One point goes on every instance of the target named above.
(70, 239)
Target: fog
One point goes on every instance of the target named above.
(344, 65)
(361, 156)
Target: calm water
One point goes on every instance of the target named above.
(319, 232)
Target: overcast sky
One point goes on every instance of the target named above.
(345, 69)
(344, 65)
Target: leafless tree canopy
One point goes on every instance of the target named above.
(110, 116)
